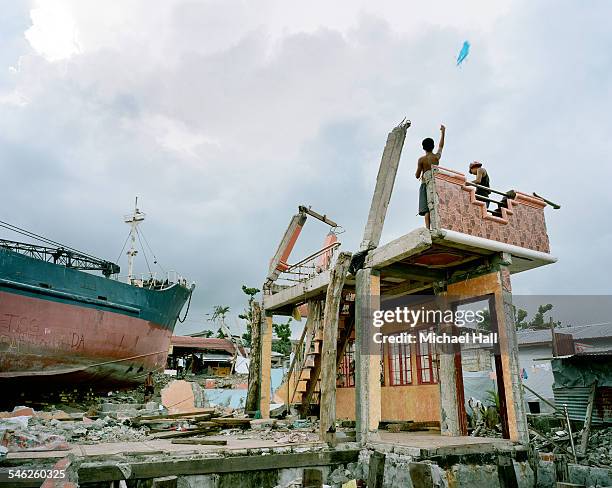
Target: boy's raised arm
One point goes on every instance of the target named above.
(441, 143)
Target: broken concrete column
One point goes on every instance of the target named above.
(367, 360)
(254, 390)
(329, 367)
(384, 186)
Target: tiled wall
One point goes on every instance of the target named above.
(522, 224)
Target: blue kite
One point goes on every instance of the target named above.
(465, 50)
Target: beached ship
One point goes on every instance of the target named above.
(61, 322)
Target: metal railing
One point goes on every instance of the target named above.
(157, 281)
(503, 203)
(311, 265)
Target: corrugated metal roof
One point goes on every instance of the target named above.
(577, 399)
(530, 336)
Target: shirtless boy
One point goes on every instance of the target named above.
(424, 164)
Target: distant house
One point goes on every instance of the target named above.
(536, 351)
(204, 355)
(583, 378)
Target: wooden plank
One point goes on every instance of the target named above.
(384, 186)
(231, 422)
(201, 442)
(586, 430)
(194, 413)
(185, 433)
(254, 388)
(327, 424)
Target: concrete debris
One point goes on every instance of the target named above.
(599, 451)
(600, 447)
(182, 396)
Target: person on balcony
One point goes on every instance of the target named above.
(482, 179)
(424, 164)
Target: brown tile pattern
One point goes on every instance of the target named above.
(523, 223)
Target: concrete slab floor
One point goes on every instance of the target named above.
(434, 441)
(156, 446)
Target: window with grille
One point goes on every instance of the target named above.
(427, 363)
(400, 368)
(346, 369)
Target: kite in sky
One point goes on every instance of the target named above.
(465, 50)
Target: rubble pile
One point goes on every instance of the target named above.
(88, 431)
(184, 415)
(599, 449)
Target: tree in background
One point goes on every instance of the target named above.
(207, 333)
(538, 321)
(283, 334)
(218, 317)
(248, 313)
(520, 317)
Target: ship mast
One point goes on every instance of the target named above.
(133, 220)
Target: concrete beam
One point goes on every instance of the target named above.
(417, 273)
(96, 472)
(408, 245)
(298, 293)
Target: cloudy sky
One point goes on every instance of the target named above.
(223, 116)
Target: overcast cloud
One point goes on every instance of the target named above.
(223, 116)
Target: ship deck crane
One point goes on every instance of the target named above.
(278, 264)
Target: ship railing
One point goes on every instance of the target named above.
(157, 281)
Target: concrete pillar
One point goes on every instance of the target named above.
(497, 283)
(447, 379)
(367, 358)
(266, 365)
(508, 347)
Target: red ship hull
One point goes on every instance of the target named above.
(46, 342)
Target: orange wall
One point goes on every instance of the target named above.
(419, 403)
